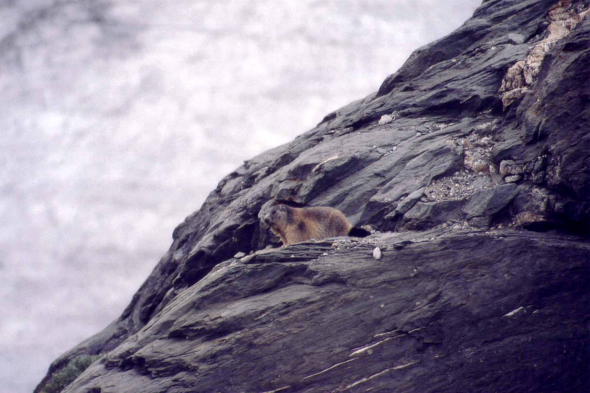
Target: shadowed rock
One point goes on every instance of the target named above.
(445, 312)
(472, 304)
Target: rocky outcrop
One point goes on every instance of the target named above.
(440, 311)
(479, 142)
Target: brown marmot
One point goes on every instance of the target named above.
(297, 224)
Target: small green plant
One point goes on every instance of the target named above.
(67, 374)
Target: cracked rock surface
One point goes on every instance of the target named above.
(499, 307)
(457, 182)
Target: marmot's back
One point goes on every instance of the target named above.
(295, 225)
(321, 222)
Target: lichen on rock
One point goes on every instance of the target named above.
(562, 19)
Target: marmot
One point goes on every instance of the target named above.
(297, 224)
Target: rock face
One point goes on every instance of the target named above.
(479, 142)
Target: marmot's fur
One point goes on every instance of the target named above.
(297, 224)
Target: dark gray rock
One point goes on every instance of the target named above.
(407, 203)
(426, 215)
(449, 312)
(489, 202)
(452, 309)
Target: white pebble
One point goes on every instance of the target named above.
(377, 253)
(385, 119)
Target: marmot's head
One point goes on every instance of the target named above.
(278, 216)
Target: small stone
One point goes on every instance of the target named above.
(480, 166)
(516, 38)
(240, 255)
(377, 253)
(247, 259)
(512, 178)
(485, 141)
(385, 119)
(510, 167)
